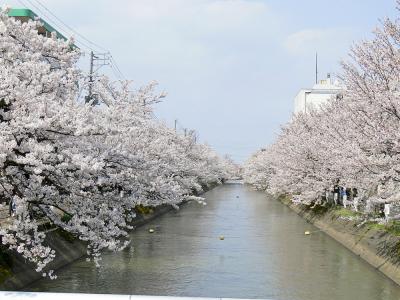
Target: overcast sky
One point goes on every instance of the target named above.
(231, 68)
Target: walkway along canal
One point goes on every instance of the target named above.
(264, 254)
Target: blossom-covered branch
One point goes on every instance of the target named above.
(80, 167)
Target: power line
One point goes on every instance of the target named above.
(69, 27)
(56, 24)
(65, 27)
(113, 69)
(116, 66)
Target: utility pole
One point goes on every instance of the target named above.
(193, 133)
(89, 97)
(316, 67)
(96, 62)
(175, 124)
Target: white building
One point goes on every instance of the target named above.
(322, 92)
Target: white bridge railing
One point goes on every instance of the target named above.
(74, 296)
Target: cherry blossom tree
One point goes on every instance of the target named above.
(80, 167)
(352, 141)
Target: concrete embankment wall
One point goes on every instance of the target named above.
(68, 249)
(379, 248)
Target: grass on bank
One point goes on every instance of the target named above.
(345, 213)
(392, 227)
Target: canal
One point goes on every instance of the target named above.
(264, 254)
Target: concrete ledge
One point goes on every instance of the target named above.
(62, 296)
(380, 249)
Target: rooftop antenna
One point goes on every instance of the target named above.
(316, 67)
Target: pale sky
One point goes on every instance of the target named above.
(231, 68)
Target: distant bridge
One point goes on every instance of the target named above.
(234, 181)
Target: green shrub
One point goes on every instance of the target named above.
(5, 265)
(66, 218)
(144, 210)
(392, 227)
(284, 198)
(69, 237)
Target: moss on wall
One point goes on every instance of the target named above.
(144, 210)
(6, 264)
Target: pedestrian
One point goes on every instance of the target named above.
(386, 211)
(12, 207)
(335, 194)
(344, 196)
(355, 198)
(327, 196)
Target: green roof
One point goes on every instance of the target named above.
(25, 12)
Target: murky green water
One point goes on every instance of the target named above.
(265, 254)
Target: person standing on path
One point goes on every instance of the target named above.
(327, 195)
(344, 196)
(354, 193)
(12, 208)
(335, 194)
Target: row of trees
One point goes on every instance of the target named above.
(84, 168)
(353, 141)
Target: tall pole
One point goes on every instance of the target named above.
(175, 124)
(316, 67)
(90, 95)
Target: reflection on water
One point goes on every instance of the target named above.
(265, 254)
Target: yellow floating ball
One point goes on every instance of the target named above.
(151, 230)
(221, 237)
(306, 233)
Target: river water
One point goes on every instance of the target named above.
(264, 254)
